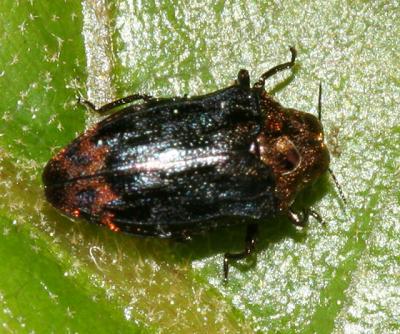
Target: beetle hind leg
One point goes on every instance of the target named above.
(250, 242)
(114, 104)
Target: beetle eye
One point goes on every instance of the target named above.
(291, 160)
(289, 155)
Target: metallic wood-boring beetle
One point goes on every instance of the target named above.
(170, 167)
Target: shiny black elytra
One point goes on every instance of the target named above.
(171, 167)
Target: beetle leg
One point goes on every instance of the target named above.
(296, 219)
(110, 106)
(250, 242)
(261, 82)
(301, 220)
(316, 215)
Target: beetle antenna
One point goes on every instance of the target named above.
(338, 187)
(320, 101)
(335, 180)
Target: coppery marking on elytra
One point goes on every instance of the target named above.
(108, 219)
(76, 213)
(103, 195)
(93, 156)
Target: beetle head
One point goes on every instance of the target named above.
(292, 144)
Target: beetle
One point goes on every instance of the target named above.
(171, 167)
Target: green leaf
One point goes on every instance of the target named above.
(57, 275)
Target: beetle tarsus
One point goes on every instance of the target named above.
(316, 215)
(250, 242)
(86, 103)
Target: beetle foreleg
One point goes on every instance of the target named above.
(260, 83)
(301, 220)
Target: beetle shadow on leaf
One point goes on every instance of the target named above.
(312, 194)
(232, 240)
